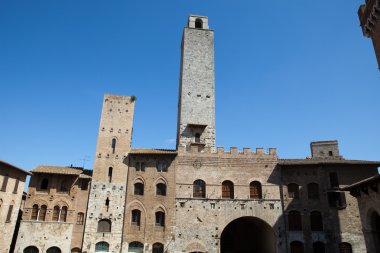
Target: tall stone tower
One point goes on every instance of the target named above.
(196, 107)
(104, 222)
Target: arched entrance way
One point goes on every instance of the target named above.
(248, 235)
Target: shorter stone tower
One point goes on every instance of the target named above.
(196, 108)
(325, 150)
(104, 223)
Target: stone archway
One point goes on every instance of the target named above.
(248, 235)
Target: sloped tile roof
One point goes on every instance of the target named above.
(57, 170)
(2, 163)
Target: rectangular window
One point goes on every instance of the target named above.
(9, 215)
(5, 183)
(83, 185)
(334, 183)
(337, 199)
(16, 186)
(80, 218)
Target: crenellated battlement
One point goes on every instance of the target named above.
(233, 151)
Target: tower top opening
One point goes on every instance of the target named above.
(198, 22)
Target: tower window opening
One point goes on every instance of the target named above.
(197, 137)
(113, 145)
(330, 153)
(107, 203)
(198, 23)
(110, 169)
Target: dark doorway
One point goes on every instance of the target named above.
(248, 235)
(375, 230)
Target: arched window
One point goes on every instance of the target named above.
(296, 247)
(44, 184)
(158, 248)
(160, 219)
(198, 23)
(294, 221)
(162, 166)
(31, 249)
(34, 212)
(110, 174)
(56, 212)
(316, 222)
(139, 188)
(161, 189)
(199, 189)
(75, 250)
(227, 190)
(104, 226)
(136, 215)
(345, 247)
(293, 191)
(42, 213)
(80, 218)
(5, 183)
(318, 247)
(63, 215)
(102, 247)
(255, 191)
(113, 145)
(136, 247)
(54, 250)
(313, 191)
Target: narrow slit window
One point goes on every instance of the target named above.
(113, 145)
(110, 170)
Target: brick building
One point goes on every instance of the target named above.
(55, 209)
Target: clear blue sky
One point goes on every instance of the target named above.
(287, 73)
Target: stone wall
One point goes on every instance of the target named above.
(200, 222)
(44, 235)
(197, 91)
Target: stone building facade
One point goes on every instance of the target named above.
(198, 197)
(12, 180)
(367, 193)
(55, 209)
(369, 17)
